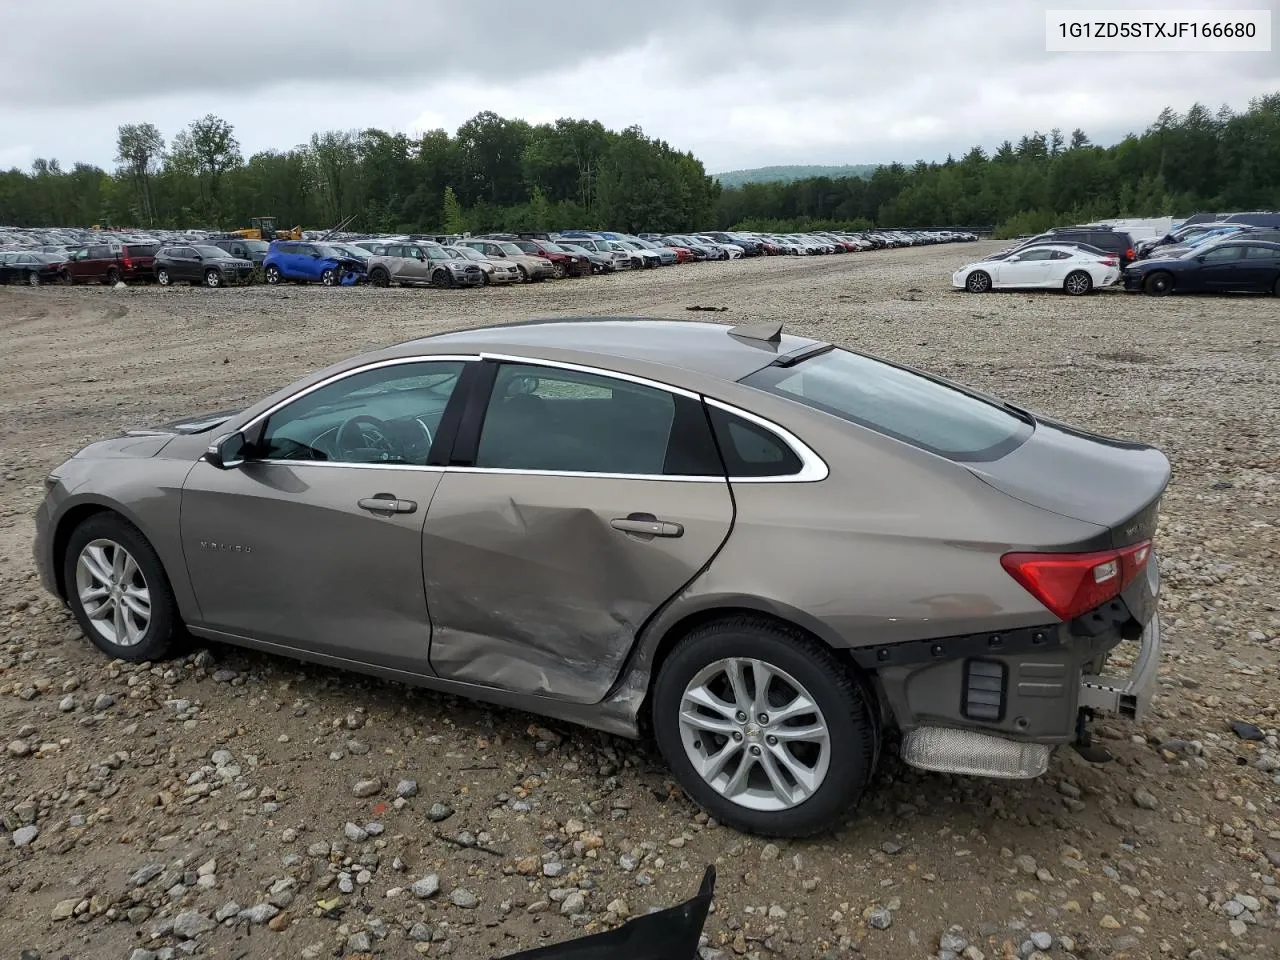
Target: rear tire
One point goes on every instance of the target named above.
(1276, 289)
(162, 277)
(1078, 283)
(978, 282)
(106, 536)
(840, 704)
(1159, 284)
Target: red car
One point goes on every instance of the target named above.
(564, 263)
(683, 254)
(110, 262)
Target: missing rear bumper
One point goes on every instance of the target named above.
(1128, 696)
(969, 753)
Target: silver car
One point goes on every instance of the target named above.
(421, 264)
(767, 550)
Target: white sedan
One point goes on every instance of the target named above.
(1048, 267)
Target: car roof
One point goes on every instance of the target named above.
(626, 344)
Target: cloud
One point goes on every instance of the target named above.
(738, 82)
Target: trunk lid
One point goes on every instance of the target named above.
(1111, 483)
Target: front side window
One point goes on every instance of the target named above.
(897, 403)
(549, 419)
(1222, 254)
(387, 415)
(1036, 255)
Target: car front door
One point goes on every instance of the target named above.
(1220, 268)
(183, 264)
(1027, 269)
(580, 505)
(295, 548)
(414, 264)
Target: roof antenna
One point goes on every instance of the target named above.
(769, 332)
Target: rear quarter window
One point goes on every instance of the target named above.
(898, 403)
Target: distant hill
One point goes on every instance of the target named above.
(785, 174)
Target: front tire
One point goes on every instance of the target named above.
(1159, 284)
(764, 727)
(212, 278)
(978, 282)
(113, 277)
(380, 278)
(272, 275)
(118, 590)
(33, 279)
(524, 274)
(1078, 283)
(329, 278)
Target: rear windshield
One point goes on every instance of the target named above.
(898, 403)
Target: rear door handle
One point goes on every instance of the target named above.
(386, 503)
(646, 524)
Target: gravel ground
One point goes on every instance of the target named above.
(238, 805)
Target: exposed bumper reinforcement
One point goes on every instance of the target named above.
(1128, 696)
(974, 754)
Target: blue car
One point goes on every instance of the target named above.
(305, 262)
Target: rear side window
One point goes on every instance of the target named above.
(750, 450)
(897, 403)
(141, 249)
(549, 419)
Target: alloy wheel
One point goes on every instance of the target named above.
(754, 734)
(1078, 283)
(33, 279)
(113, 592)
(162, 277)
(978, 282)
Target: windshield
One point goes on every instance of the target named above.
(325, 250)
(897, 403)
(434, 250)
(553, 247)
(470, 253)
(510, 249)
(351, 250)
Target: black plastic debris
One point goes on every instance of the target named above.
(670, 934)
(1246, 731)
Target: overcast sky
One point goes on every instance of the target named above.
(741, 83)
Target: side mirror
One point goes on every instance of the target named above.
(227, 451)
(314, 255)
(199, 256)
(1013, 259)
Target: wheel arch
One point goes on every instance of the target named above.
(68, 522)
(668, 630)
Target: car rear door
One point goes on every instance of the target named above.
(294, 548)
(579, 502)
(1260, 268)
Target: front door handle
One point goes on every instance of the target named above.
(646, 524)
(386, 503)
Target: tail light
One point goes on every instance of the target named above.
(1109, 261)
(128, 264)
(1071, 584)
(1129, 254)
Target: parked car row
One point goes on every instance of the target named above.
(1204, 257)
(218, 260)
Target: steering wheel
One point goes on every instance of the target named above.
(365, 433)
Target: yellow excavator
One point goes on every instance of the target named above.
(264, 228)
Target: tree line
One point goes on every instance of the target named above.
(496, 173)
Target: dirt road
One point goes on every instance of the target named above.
(237, 805)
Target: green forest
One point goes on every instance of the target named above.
(496, 173)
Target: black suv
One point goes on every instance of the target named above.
(1113, 241)
(255, 251)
